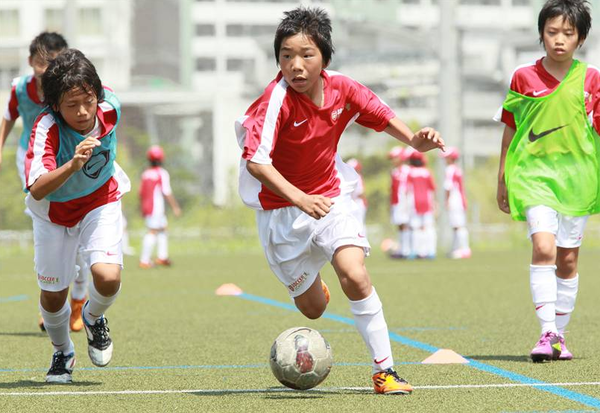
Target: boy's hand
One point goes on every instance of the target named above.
(83, 152)
(317, 206)
(427, 139)
(502, 197)
(177, 212)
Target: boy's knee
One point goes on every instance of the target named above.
(313, 312)
(107, 278)
(544, 251)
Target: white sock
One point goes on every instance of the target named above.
(463, 238)
(98, 304)
(148, 247)
(57, 327)
(80, 285)
(455, 240)
(542, 279)
(565, 302)
(406, 242)
(370, 322)
(162, 245)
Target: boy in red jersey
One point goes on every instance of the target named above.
(75, 189)
(400, 205)
(292, 175)
(155, 187)
(548, 173)
(456, 205)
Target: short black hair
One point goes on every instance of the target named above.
(313, 22)
(71, 69)
(576, 12)
(46, 43)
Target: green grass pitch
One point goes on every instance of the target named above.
(179, 347)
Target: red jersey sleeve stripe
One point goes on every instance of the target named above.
(41, 155)
(267, 135)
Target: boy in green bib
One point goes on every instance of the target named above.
(549, 164)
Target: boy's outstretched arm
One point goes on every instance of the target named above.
(424, 140)
(5, 128)
(51, 181)
(317, 206)
(174, 205)
(502, 193)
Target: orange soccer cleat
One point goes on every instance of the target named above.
(76, 322)
(166, 262)
(145, 265)
(325, 291)
(388, 382)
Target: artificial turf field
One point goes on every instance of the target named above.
(180, 347)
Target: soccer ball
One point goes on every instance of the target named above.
(300, 358)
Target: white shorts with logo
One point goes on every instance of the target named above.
(97, 237)
(568, 230)
(156, 221)
(297, 246)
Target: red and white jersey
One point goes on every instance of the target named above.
(156, 184)
(287, 130)
(420, 184)
(399, 187)
(453, 184)
(44, 147)
(12, 108)
(533, 80)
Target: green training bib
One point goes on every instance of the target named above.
(554, 157)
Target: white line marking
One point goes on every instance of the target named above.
(281, 389)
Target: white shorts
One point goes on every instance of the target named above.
(422, 220)
(400, 214)
(568, 230)
(457, 217)
(97, 238)
(297, 246)
(20, 162)
(156, 221)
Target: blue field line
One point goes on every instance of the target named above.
(559, 391)
(13, 298)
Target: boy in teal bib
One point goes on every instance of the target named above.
(549, 171)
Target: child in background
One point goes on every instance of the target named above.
(456, 205)
(548, 172)
(400, 205)
(359, 195)
(154, 189)
(75, 191)
(292, 175)
(422, 220)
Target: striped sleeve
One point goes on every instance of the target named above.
(262, 124)
(43, 147)
(374, 113)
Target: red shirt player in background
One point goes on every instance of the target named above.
(422, 221)
(401, 201)
(154, 189)
(456, 205)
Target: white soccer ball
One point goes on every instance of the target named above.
(301, 358)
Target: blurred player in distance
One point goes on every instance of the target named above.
(400, 201)
(26, 100)
(456, 205)
(421, 187)
(292, 175)
(154, 189)
(358, 195)
(75, 191)
(548, 173)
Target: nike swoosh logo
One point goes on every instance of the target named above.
(534, 137)
(111, 254)
(536, 93)
(539, 306)
(296, 124)
(380, 361)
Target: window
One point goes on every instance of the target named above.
(205, 30)
(9, 23)
(89, 21)
(243, 30)
(206, 64)
(54, 20)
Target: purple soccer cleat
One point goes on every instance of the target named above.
(565, 354)
(547, 348)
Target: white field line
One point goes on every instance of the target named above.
(280, 389)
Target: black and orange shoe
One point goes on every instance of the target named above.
(388, 382)
(325, 291)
